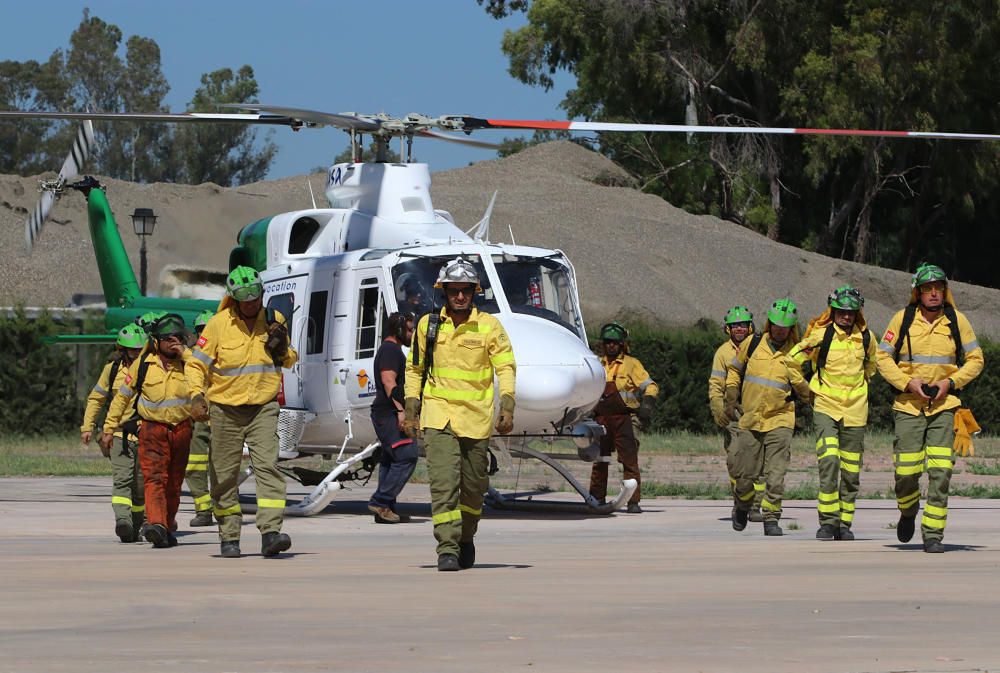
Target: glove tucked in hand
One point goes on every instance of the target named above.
(718, 407)
(411, 421)
(199, 408)
(733, 410)
(646, 411)
(505, 421)
(277, 342)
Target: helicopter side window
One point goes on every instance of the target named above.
(316, 328)
(369, 316)
(283, 304)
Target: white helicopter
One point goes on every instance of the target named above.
(339, 271)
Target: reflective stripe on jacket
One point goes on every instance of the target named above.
(720, 369)
(841, 389)
(933, 359)
(100, 393)
(459, 388)
(164, 397)
(766, 386)
(631, 379)
(229, 363)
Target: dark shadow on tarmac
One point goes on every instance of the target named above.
(484, 566)
(909, 546)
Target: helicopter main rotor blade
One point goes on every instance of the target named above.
(77, 157)
(474, 124)
(345, 120)
(179, 117)
(430, 133)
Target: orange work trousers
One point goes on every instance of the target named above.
(620, 439)
(163, 457)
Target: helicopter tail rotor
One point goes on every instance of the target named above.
(52, 190)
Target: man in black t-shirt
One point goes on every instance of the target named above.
(399, 452)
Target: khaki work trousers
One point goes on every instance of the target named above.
(728, 433)
(257, 426)
(128, 499)
(754, 453)
(839, 457)
(196, 473)
(620, 438)
(456, 468)
(924, 443)
(163, 452)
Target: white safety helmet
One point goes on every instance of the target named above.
(458, 270)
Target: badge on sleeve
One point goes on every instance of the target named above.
(202, 341)
(889, 336)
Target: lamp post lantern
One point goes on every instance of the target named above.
(143, 221)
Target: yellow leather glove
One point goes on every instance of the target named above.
(505, 421)
(411, 420)
(199, 408)
(718, 407)
(965, 427)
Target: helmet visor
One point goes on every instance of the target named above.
(248, 292)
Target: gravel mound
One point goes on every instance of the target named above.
(634, 253)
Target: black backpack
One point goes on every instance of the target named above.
(824, 351)
(909, 313)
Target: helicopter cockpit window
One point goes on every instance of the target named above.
(413, 284)
(539, 286)
(283, 304)
(369, 316)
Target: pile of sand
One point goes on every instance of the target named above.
(634, 253)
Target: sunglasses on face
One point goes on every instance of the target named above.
(248, 293)
(452, 291)
(927, 288)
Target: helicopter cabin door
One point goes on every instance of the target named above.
(361, 339)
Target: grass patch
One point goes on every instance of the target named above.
(976, 491)
(794, 525)
(807, 491)
(51, 456)
(976, 467)
(655, 489)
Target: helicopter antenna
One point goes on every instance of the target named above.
(483, 226)
(511, 234)
(311, 194)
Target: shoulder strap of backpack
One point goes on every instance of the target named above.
(904, 332)
(754, 342)
(824, 351)
(956, 334)
(115, 366)
(140, 377)
(433, 320)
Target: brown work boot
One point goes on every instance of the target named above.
(383, 514)
(202, 518)
(755, 515)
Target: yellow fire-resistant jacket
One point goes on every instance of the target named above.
(932, 359)
(459, 387)
(841, 389)
(164, 397)
(229, 363)
(721, 363)
(100, 393)
(766, 386)
(631, 379)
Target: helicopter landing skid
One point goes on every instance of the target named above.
(323, 493)
(590, 504)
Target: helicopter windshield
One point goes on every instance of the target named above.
(413, 284)
(539, 286)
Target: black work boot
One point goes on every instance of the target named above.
(466, 554)
(771, 528)
(826, 532)
(904, 529)
(755, 515)
(202, 518)
(448, 563)
(231, 549)
(933, 546)
(633, 508)
(157, 535)
(845, 533)
(125, 531)
(739, 517)
(272, 544)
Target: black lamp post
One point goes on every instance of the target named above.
(143, 221)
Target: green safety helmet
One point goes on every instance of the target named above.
(846, 298)
(131, 336)
(202, 319)
(148, 318)
(928, 273)
(170, 324)
(613, 331)
(783, 313)
(738, 314)
(244, 284)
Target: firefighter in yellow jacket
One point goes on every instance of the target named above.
(236, 366)
(766, 414)
(449, 395)
(840, 353)
(929, 351)
(738, 324)
(629, 394)
(156, 388)
(127, 499)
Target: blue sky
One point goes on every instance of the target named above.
(434, 57)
